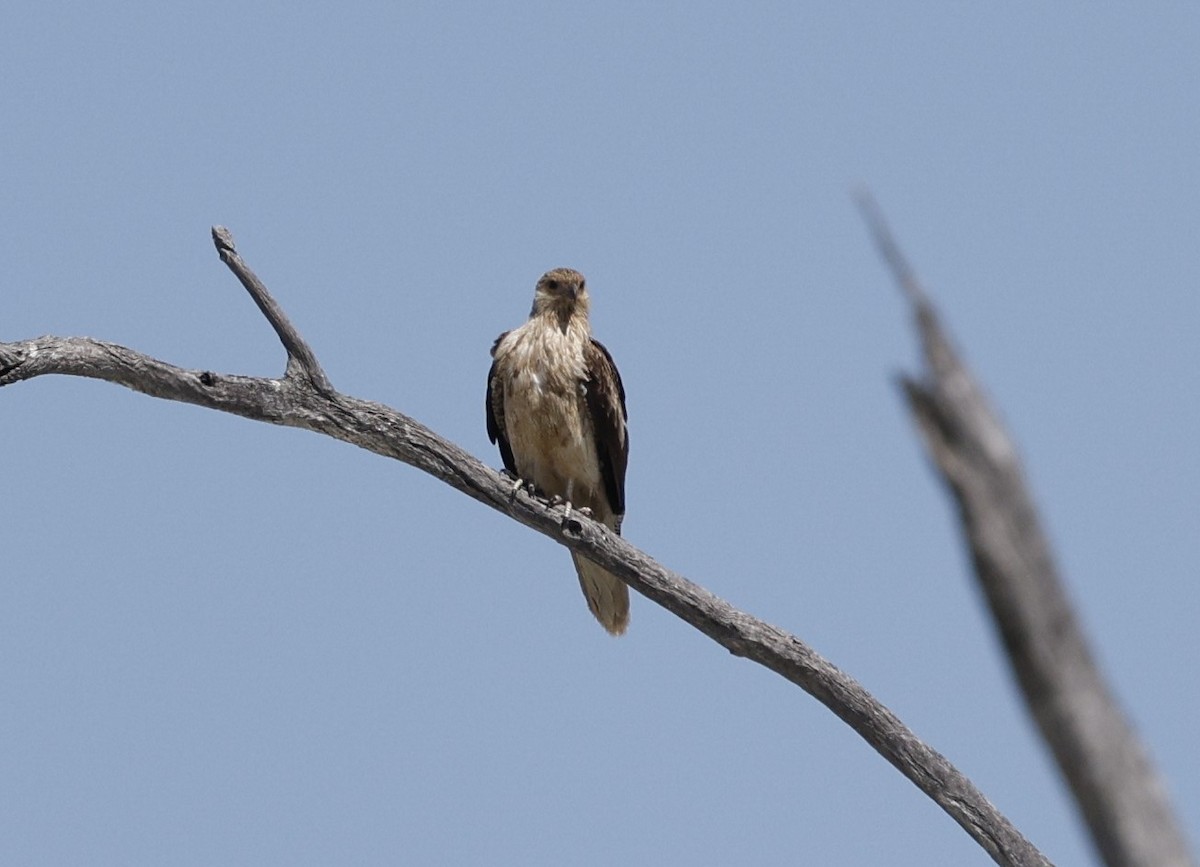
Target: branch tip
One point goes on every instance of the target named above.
(223, 239)
(889, 250)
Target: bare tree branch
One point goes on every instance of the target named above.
(298, 351)
(303, 398)
(1110, 774)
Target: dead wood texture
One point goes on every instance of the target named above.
(1114, 783)
(304, 398)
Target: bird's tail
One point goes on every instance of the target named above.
(607, 596)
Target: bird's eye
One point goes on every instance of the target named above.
(552, 285)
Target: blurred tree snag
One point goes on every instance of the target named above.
(1114, 783)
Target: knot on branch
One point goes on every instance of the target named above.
(11, 357)
(572, 527)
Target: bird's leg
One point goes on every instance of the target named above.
(583, 510)
(567, 514)
(519, 484)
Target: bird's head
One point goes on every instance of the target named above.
(562, 292)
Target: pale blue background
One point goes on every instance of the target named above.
(228, 643)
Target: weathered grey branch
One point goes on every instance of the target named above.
(299, 353)
(1110, 774)
(304, 399)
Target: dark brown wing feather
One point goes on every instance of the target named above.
(494, 405)
(606, 405)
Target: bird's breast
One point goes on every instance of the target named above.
(546, 419)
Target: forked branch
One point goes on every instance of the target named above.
(304, 398)
(301, 358)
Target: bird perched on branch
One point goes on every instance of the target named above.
(556, 408)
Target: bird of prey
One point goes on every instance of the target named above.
(556, 408)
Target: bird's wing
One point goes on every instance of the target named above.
(606, 406)
(494, 405)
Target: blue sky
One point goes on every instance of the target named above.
(224, 642)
